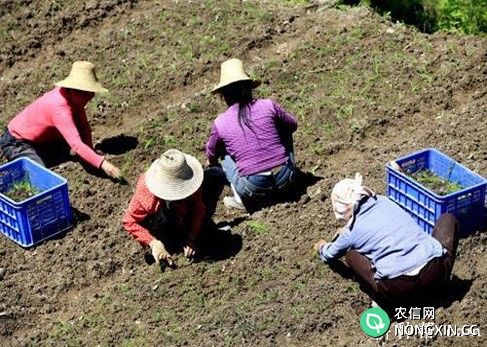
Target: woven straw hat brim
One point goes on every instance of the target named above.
(255, 84)
(94, 87)
(171, 189)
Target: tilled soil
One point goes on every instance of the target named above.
(364, 90)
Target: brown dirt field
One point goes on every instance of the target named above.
(364, 90)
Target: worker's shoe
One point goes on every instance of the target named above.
(230, 201)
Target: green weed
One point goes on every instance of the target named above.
(345, 112)
(149, 143)
(258, 227)
(327, 129)
(66, 332)
(298, 1)
(268, 273)
(126, 290)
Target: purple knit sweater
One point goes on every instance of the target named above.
(258, 148)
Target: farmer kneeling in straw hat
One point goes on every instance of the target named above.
(255, 138)
(57, 115)
(174, 195)
(391, 255)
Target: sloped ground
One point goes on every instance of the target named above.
(365, 91)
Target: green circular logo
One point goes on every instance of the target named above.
(375, 322)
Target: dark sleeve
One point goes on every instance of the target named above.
(286, 120)
(215, 146)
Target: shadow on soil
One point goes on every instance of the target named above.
(116, 145)
(299, 188)
(78, 218)
(411, 12)
(214, 243)
(444, 296)
(217, 244)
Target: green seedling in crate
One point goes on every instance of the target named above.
(22, 190)
(435, 183)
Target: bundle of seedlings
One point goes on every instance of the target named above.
(21, 190)
(436, 183)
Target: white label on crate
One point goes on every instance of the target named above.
(49, 197)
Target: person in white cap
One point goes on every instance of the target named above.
(57, 120)
(393, 258)
(174, 196)
(254, 136)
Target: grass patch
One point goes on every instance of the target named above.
(66, 332)
(465, 16)
(258, 227)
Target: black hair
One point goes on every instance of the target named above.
(239, 93)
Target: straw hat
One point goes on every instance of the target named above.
(174, 176)
(232, 71)
(82, 77)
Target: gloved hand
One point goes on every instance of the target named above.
(159, 252)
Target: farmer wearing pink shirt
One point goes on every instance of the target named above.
(58, 115)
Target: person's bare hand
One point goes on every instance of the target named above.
(111, 170)
(319, 244)
(159, 252)
(189, 249)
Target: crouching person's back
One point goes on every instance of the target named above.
(393, 258)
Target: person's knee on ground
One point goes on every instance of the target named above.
(13, 148)
(446, 232)
(214, 181)
(362, 267)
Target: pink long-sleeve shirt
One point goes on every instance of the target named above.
(52, 117)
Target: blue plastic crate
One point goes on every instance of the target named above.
(468, 204)
(37, 218)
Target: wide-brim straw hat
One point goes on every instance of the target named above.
(232, 71)
(174, 176)
(82, 77)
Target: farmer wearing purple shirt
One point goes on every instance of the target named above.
(394, 259)
(255, 138)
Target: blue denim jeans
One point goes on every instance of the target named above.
(258, 185)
